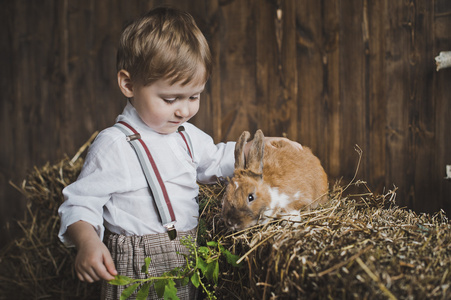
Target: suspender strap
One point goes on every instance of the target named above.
(187, 140)
(153, 177)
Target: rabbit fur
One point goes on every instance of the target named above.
(278, 179)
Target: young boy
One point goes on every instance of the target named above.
(163, 64)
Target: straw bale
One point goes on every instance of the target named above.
(36, 265)
(357, 246)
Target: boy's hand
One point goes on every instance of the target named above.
(93, 261)
(269, 140)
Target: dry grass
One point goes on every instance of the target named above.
(36, 265)
(354, 247)
(359, 246)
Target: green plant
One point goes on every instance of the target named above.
(202, 269)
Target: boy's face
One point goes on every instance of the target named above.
(164, 107)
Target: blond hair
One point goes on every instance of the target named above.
(165, 43)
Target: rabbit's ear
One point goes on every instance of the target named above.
(239, 150)
(255, 157)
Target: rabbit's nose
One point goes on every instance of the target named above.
(230, 224)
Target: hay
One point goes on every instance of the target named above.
(37, 265)
(359, 246)
(354, 247)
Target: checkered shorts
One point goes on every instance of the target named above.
(128, 253)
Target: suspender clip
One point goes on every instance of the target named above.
(132, 137)
(172, 233)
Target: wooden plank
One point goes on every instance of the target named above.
(376, 100)
(399, 170)
(72, 36)
(331, 104)
(353, 103)
(318, 81)
(276, 68)
(108, 19)
(427, 177)
(411, 139)
(13, 163)
(239, 105)
(213, 114)
(309, 62)
(442, 95)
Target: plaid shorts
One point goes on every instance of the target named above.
(128, 253)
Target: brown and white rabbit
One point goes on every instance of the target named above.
(277, 180)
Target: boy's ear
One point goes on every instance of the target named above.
(125, 83)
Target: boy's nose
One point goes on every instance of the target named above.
(183, 109)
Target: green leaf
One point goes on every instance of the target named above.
(231, 258)
(216, 273)
(120, 280)
(184, 280)
(159, 287)
(145, 267)
(144, 291)
(201, 264)
(203, 250)
(128, 291)
(195, 280)
(170, 291)
(210, 270)
(212, 243)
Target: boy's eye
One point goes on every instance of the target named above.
(194, 97)
(169, 100)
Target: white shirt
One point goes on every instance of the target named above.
(112, 191)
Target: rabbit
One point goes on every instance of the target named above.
(278, 179)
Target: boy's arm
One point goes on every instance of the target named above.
(93, 261)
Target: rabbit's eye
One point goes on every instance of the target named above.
(250, 197)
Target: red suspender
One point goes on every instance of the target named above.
(153, 177)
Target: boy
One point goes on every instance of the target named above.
(163, 64)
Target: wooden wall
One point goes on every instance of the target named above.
(330, 74)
